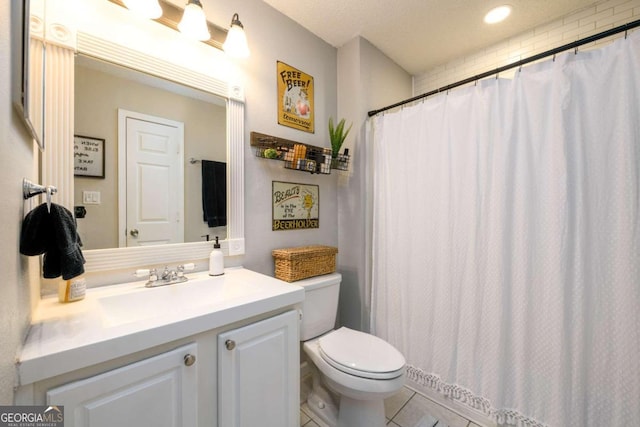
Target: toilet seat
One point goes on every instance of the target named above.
(361, 354)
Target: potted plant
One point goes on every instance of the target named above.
(337, 135)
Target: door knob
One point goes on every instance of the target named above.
(189, 359)
(230, 344)
(134, 233)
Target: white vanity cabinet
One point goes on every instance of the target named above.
(256, 379)
(160, 391)
(258, 374)
(211, 352)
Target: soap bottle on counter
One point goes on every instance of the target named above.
(72, 289)
(216, 260)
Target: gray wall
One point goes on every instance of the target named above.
(19, 274)
(367, 79)
(273, 37)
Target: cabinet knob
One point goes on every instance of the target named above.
(134, 233)
(189, 359)
(230, 344)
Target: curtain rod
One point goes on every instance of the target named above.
(551, 52)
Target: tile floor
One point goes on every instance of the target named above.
(405, 409)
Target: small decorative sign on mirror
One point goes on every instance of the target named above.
(88, 156)
(295, 206)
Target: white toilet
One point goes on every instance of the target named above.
(361, 368)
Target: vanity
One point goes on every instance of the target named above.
(213, 351)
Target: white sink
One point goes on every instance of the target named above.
(118, 320)
(171, 300)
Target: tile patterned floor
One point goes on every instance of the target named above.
(405, 409)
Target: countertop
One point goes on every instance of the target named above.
(113, 321)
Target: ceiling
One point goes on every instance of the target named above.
(421, 34)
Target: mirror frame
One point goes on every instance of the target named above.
(121, 258)
(25, 25)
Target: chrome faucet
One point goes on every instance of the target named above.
(168, 277)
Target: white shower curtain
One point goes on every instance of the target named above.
(506, 241)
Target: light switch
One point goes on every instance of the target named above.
(91, 197)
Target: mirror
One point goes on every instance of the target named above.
(111, 34)
(113, 215)
(28, 93)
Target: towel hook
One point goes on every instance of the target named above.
(29, 189)
(49, 191)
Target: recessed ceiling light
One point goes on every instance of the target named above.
(497, 14)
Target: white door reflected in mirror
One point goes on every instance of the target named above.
(154, 178)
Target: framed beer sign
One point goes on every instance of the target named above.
(295, 206)
(295, 98)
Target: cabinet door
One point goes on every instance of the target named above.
(157, 392)
(259, 374)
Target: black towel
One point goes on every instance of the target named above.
(53, 234)
(214, 193)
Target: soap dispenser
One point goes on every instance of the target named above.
(216, 260)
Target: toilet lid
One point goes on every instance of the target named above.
(361, 354)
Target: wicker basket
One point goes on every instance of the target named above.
(306, 261)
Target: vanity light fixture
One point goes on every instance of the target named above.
(497, 14)
(232, 41)
(149, 9)
(194, 21)
(236, 43)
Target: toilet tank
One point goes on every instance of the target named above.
(320, 304)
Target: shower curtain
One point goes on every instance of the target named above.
(506, 241)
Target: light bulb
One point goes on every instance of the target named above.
(194, 22)
(236, 43)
